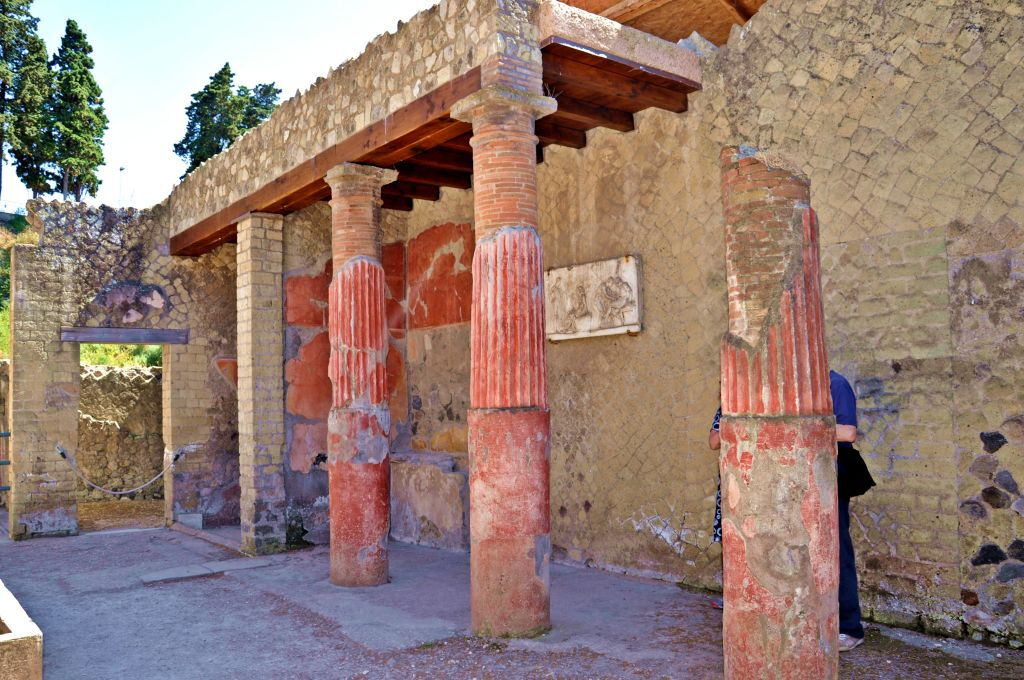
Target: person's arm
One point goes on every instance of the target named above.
(845, 433)
(714, 436)
(844, 403)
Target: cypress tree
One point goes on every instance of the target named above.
(16, 25)
(218, 115)
(31, 138)
(78, 117)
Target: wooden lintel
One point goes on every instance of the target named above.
(126, 336)
(356, 148)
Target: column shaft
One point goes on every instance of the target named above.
(260, 300)
(779, 504)
(358, 463)
(509, 422)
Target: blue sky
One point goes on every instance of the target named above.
(151, 55)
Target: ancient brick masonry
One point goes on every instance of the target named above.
(509, 421)
(358, 464)
(260, 382)
(779, 504)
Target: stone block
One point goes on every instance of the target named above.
(429, 501)
(21, 641)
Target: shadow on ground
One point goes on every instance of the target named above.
(284, 620)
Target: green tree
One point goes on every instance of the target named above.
(78, 117)
(16, 25)
(31, 137)
(218, 114)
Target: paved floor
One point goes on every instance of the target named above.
(284, 620)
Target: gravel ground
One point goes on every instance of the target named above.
(284, 620)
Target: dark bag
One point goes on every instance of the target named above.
(853, 475)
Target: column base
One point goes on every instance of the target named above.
(359, 505)
(780, 547)
(510, 544)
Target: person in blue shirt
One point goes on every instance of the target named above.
(844, 405)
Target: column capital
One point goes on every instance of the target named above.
(497, 98)
(344, 177)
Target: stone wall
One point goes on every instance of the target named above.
(906, 117)
(105, 267)
(120, 417)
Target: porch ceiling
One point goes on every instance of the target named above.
(431, 150)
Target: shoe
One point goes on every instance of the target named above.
(848, 642)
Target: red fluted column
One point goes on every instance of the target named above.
(358, 464)
(779, 505)
(509, 423)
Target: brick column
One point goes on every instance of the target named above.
(509, 423)
(358, 464)
(779, 505)
(260, 322)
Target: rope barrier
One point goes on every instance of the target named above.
(78, 473)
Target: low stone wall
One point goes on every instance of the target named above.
(120, 441)
(21, 641)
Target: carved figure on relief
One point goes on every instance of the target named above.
(593, 299)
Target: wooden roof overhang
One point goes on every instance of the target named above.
(431, 150)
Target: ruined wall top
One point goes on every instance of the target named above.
(432, 48)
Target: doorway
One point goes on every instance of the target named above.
(119, 457)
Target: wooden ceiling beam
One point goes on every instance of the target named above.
(559, 70)
(551, 133)
(410, 172)
(424, 192)
(460, 143)
(422, 140)
(445, 159)
(594, 115)
(397, 203)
